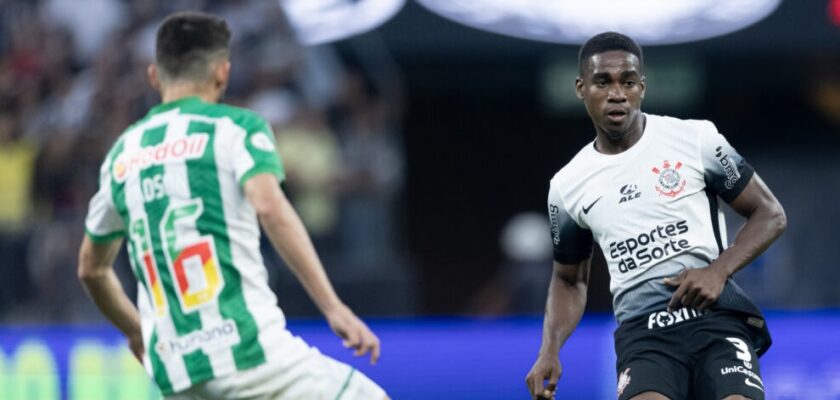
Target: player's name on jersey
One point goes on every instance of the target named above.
(185, 148)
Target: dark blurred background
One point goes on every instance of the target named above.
(418, 153)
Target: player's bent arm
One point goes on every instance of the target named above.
(765, 222)
(565, 304)
(97, 276)
(287, 234)
(699, 288)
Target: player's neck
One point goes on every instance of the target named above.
(177, 91)
(606, 144)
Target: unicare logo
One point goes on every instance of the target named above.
(186, 148)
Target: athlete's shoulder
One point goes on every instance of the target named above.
(138, 124)
(678, 127)
(119, 143)
(243, 117)
(233, 111)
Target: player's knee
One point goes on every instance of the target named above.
(650, 396)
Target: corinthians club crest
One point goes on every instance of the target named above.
(670, 182)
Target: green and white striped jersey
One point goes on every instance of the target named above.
(172, 187)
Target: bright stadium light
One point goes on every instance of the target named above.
(574, 21)
(834, 12)
(322, 21)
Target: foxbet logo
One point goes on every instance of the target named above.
(661, 319)
(187, 148)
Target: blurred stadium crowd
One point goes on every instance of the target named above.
(366, 172)
(73, 76)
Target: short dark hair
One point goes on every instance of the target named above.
(608, 41)
(187, 42)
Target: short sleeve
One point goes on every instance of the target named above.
(103, 222)
(571, 242)
(725, 171)
(255, 152)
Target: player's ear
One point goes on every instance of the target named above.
(642, 87)
(579, 88)
(221, 74)
(154, 79)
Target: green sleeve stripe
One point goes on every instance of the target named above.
(259, 169)
(108, 237)
(346, 383)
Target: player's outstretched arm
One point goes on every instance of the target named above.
(766, 220)
(287, 234)
(563, 310)
(97, 275)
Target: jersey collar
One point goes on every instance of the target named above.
(175, 104)
(637, 147)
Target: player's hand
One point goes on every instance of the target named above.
(696, 288)
(135, 344)
(354, 332)
(548, 367)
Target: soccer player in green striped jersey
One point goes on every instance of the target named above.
(185, 187)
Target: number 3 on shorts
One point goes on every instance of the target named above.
(743, 352)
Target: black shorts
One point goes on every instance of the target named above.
(687, 355)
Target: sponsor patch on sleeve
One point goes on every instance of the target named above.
(260, 140)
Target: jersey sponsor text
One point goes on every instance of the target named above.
(640, 250)
(554, 215)
(223, 335)
(187, 148)
(732, 174)
(661, 319)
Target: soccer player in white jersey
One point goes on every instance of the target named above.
(646, 189)
(186, 187)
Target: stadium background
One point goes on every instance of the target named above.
(418, 153)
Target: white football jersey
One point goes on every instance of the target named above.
(172, 187)
(653, 210)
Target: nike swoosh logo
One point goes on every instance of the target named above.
(586, 209)
(747, 381)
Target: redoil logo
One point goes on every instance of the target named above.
(187, 148)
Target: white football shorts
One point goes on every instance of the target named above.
(296, 372)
